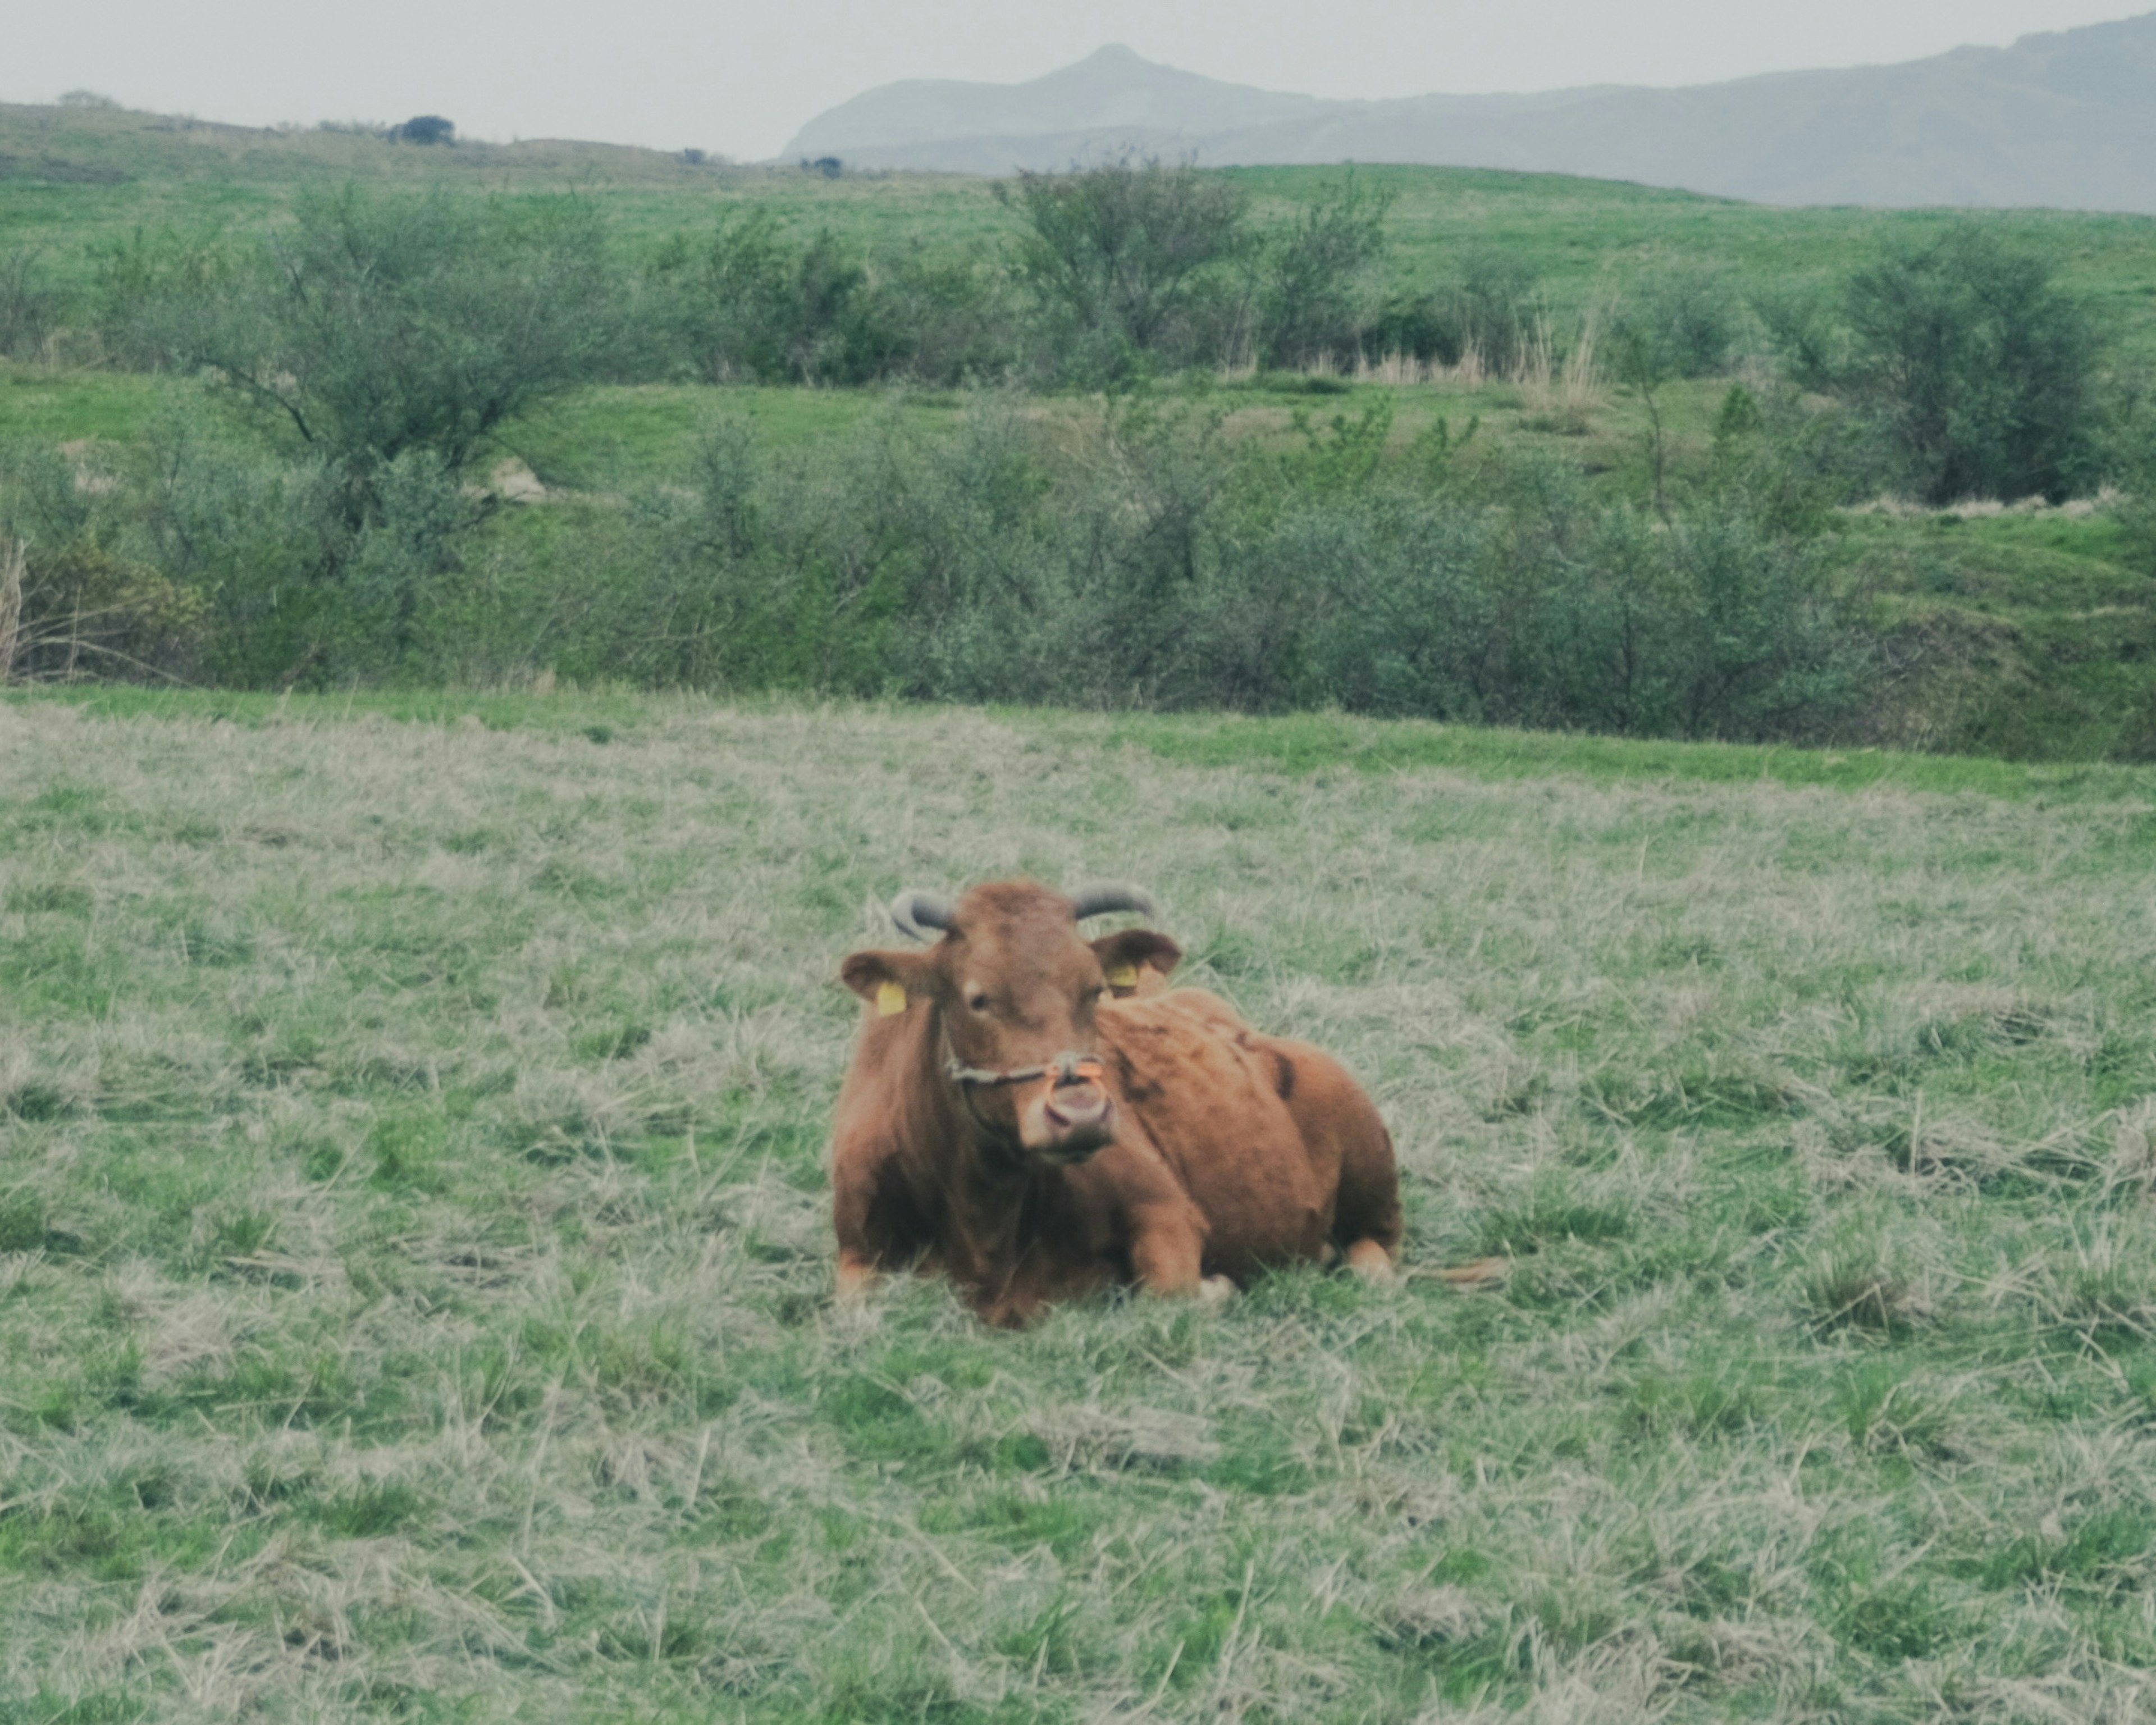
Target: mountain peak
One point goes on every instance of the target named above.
(1114, 98)
(2063, 120)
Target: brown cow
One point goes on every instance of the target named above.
(1004, 1121)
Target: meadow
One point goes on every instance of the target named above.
(415, 1274)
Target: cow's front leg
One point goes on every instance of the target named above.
(857, 1277)
(1168, 1253)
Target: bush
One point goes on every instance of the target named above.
(727, 304)
(380, 326)
(937, 320)
(750, 305)
(1314, 301)
(1977, 369)
(304, 590)
(1485, 318)
(86, 612)
(1142, 558)
(29, 311)
(1685, 322)
(209, 555)
(1155, 564)
(1133, 260)
(72, 602)
(159, 300)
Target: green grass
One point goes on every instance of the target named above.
(415, 1272)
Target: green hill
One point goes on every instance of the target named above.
(70, 178)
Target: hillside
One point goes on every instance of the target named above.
(2059, 120)
(74, 180)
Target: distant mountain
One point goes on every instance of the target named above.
(2066, 120)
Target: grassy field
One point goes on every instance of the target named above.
(414, 1270)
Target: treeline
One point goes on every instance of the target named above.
(1114, 273)
(1124, 270)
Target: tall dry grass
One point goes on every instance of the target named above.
(13, 562)
(1397, 368)
(1565, 394)
(1567, 391)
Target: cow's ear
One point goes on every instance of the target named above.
(1138, 960)
(889, 982)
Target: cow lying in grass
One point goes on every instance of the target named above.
(1009, 1122)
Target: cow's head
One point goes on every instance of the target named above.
(1009, 989)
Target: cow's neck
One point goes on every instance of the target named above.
(986, 1180)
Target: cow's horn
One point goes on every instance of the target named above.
(1099, 901)
(922, 915)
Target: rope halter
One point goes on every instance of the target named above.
(1066, 1068)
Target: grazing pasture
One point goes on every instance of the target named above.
(415, 1272)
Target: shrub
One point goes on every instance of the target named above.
(1496, 307)
(2131, 459)
(1314, 301)
(1142, 558)
(74, 601)
(424, 129)
(29, 310)
(86, 612)
(1130, 258)
(1981, 368)
(303, 588)
(379, 326)
(1684, 322)
(726, 302)
(1977, 368)
(1154, 563)
(752, 305)
(937, 320)
(159, 300)
(1485, 318)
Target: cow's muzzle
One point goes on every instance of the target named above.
(1063, 1112)
(1075, 1120)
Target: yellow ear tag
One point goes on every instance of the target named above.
(891, 1000)
(1123, 976)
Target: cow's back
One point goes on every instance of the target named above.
(1216, 1100)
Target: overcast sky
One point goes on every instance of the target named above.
(742, 79)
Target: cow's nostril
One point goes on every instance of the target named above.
(1076, 1105)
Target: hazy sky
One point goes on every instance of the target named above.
(741, 79)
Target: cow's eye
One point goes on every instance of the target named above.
(977, 1000)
